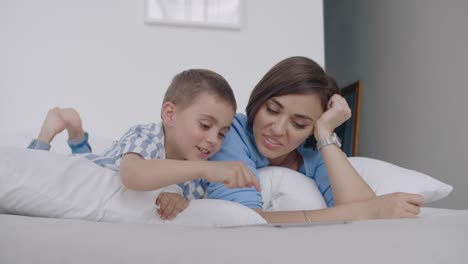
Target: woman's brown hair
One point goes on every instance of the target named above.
(294, 75)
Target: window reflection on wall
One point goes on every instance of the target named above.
(204, 13)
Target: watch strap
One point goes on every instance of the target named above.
(332, 139)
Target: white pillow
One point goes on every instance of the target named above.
(284, 189)
(221, 213)
(47, 184)
(40, 183)
(384, 177)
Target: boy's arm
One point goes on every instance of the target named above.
(147, 175)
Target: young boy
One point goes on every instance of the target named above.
(197, 112)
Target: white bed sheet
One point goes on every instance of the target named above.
(438, 236)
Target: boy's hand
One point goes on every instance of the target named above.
(170, 204)
(336, 114)
(234, 174)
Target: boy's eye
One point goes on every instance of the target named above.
(271, 110)
(221, 135)
(204, 126)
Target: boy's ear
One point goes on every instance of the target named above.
(168, 113)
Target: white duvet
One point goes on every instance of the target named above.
(440, 236)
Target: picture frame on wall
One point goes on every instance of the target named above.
(349, 130)
(222, 14)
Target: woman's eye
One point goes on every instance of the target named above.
(272, 111)
(296, 125)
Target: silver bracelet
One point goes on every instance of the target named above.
(305, 215)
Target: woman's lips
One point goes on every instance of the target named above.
(271, 143)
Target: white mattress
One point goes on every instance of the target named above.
(438, 236)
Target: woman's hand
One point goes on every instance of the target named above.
(234, 174)
(336, 114)
(394, 205)
(170, 205)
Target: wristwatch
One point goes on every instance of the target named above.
(333, 139)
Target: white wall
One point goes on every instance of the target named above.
(100, 57)
(413, 58)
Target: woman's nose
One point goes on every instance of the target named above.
(279, 126)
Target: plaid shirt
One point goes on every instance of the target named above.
(148, 142)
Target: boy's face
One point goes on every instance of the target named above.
(197, 131)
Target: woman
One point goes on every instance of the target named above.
(291, 116)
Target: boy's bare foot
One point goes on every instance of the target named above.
(72, 123)
(53, 124)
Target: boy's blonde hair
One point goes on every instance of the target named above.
(189, 84)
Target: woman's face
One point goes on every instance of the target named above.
(285, 122)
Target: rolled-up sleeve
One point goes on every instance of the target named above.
(142, 140)
(235, 148)
(323, 183)
(314, 168)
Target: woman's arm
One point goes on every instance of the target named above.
(347, 185)
(395, 205)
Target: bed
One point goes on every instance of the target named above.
(56, 208)
(438, 236)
